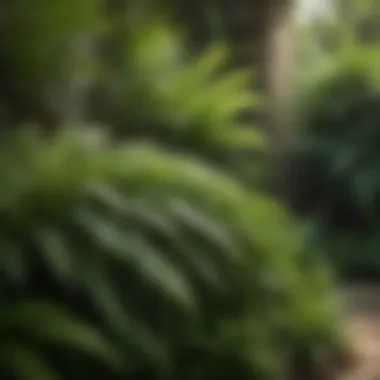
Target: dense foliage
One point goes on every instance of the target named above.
(194, 103)
(338, 180)
(180, 268)
(140, 252)
(111, 67)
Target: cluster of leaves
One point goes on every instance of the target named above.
(110, 71)
(339, 185)
(179, 267)
(128, 260)
(195, 105)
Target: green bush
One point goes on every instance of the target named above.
(184, 272)
(141, 253)
(338, 186)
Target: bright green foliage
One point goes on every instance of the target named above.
(339, 148)
(74, 65)
(195, 106)
(180, 268)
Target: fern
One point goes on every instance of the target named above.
(195, 105)
(161, 255)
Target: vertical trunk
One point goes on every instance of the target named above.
(280, 74)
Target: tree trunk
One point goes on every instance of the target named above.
(280, 67)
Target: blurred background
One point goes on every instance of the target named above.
(189, 189)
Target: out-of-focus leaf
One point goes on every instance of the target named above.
(54, 325)
(26, 364)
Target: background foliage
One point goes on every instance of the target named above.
(337, 149)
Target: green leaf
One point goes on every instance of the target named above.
(245, 137)
(206, 227)
(208, 64)
(132, 332)
(27, 363)
(13, 262)
(54, 325)
(131, 248)
(56, 251)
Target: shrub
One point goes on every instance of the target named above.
(140, 261)
(179, 267)
(337, 155)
